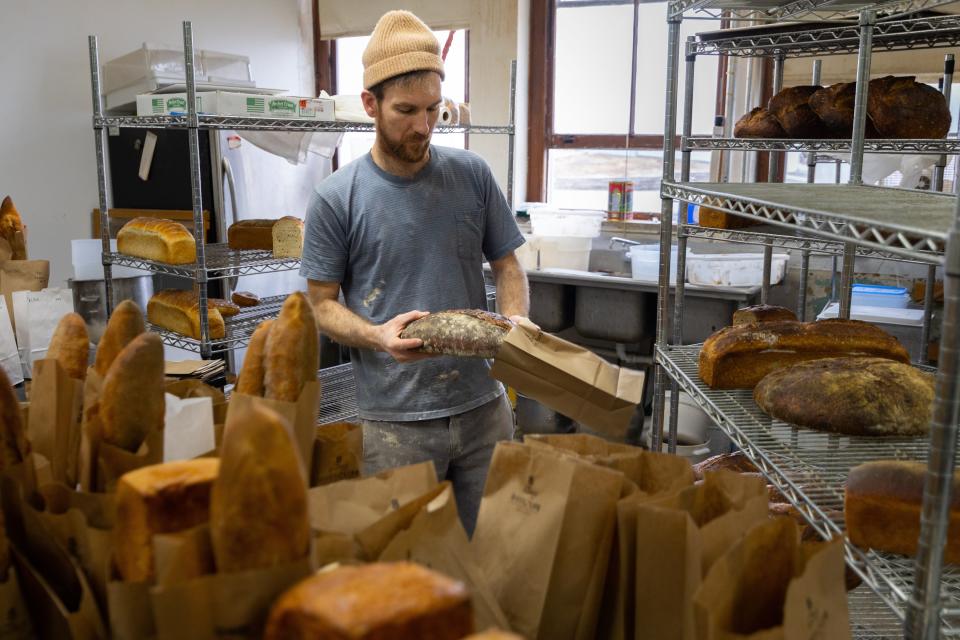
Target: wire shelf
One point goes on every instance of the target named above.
(870, 618)
(810, 468)
(796, 243)
(270, 124)
(338, 394)
(777, 10)
(797, 40)
(706, 143)
(238, 329)
(220, 262)
(864, 215)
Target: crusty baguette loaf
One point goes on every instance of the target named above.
(125, 324)
(883, 504)
(14, 446)
(157, 239)
(251, 234)
(381, 600)
(131, 403)
(739, 357)
(251, 376)
(70, 346)
(288, 237)
(258, 506)
(161, 498)
(11, 229)
(292, 350)
(762, 313)
(245, 298)
(852, 396)
(460, 332)
(179, 311)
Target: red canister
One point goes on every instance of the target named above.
(620, 200)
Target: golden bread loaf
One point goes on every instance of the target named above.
(258, 507)
(131, 402)
(398, 600)
(179, 311)
(245, 298)
(11, 229)
(70, 346)
(250, 380)
(883, 503)
(292, 350)
(739, 357)
(157, 239)
(125, 324)
(287, 237)
(161, 498)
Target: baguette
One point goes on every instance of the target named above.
(739, 357)
(397, 600)
(132, 403)
(460, 332)
(883, 503)
(179, 311)
(70, 346)
(11, 229)
(250, 381)
(161, 498)
(125, 324)
(14, 446)
(251, 234)
(157, 239)
(287, 236)
(292, 346)
(258, 505)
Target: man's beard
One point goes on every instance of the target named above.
(411, 149)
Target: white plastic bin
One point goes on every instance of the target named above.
(563, 252)
(875, 295)
(734, 269)
(645, 262)
(568, 223)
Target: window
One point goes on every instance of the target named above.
(349, 74)
(604, 98)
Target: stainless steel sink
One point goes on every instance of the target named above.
(615, 315)
(552, 305)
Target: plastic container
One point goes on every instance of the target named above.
(225, 67)
(734, 269)
(645, 262)
(906, 325)
(146, 62)
(564, 252)
(875, 295)
(568, 223)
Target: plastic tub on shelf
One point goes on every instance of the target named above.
(567, 223)
(645, 262)
(734, 269)
(875, 295)
(561, 252)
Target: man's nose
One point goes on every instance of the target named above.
(422, 124)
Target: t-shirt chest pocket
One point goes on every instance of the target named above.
(469, 233)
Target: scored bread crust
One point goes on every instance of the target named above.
(900, 107)
(125, 324)
(460, 332)
(758, 123)
(132, 403)
(157, 239)
(70, 346)
(250, 381)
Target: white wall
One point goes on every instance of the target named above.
(47, 161)
(499, 33)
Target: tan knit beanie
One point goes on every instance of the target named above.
(400, 43)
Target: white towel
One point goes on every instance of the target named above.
(294, 145)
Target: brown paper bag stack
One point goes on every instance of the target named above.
(544, 533)
(54, 422)
(678, 539)
(22, 275)
(337, 453)
(770, 587)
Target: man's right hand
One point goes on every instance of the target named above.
(402, 350)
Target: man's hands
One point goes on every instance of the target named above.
(389, 340)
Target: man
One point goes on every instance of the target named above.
(403, 231)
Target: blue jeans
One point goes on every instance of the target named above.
(460, 447)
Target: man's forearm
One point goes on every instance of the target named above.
(513, 296)
(344, 326)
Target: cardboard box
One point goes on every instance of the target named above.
(228, 103)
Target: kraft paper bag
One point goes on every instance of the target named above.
(9, 354)
(22, 275)
(14, 619)
(54, 423)
(569, 379)
(130, 611)
(337, 453)
(770, 587)
(545, 523)
(679, 538)
(189, 388)
(113, 462)
(302, 415)
(435, 538)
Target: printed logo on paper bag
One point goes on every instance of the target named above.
(816, 620)
(526, 504)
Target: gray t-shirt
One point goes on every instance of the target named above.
(398, 244)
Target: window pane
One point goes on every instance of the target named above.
(579, 178)
(350, 82)
(652, 75)
(592, 69)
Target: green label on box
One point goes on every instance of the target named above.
(177, 104)
(256, 105)
(156, 105)
(283, 106)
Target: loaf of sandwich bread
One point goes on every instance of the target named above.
(157, 239)
(282, 236)
(179, 311)
(882, 508)
(739, 357)
(401, 601)
(162, 498)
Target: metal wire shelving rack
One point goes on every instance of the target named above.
(217, 261)
(903, 597)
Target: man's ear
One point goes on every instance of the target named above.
(369, 103)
